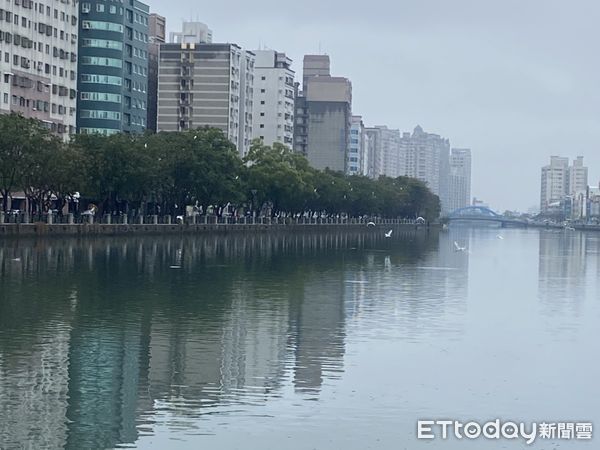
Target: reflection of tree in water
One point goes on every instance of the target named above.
(225, 326)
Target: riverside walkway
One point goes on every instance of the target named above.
(50, 224)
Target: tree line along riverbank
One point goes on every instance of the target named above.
(166, 174)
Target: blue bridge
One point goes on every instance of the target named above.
(482, 214)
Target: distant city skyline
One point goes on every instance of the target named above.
(460, 72)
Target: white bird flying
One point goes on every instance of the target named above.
(500, 237)
(458, 248)
(389, 234)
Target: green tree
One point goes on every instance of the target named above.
(20, 138)
(278, 177)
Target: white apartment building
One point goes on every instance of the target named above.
(460, 178)
(555, 182)
(356, 163)
(559, 181)
(273, 98)
(383, 149)
(425, 156)
(192, 33)
(38, 61)
(578, 176)
(206, 85)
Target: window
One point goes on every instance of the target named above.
(98, 25)
(262, 125)
(99, 114)
(263, 78)
(262, 114)
(101, 79)
(103, 131)
(5, 97)
(101, 61)
(262, 102)
(112, 9)
(102, 43)
(99, 7)
(101, 97)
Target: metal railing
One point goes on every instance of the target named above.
(124, 219)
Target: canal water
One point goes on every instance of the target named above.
(297, 341)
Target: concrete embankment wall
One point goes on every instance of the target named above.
(43, 229)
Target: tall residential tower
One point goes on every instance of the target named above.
(202, 84)
(156, 37)
(460, 178)
(113, 67)
(38, 62)
(273, 98)
(323, 116)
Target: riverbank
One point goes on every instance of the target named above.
(48, 230)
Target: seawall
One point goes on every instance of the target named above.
(82, 230)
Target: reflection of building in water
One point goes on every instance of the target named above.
(318, 331)
(255, 340)
(34, 416)
(562, 265)
(241, 311)
(104, 380)
(185, 360)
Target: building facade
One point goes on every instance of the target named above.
(207, 85)
(113, 67)
(425, 156)
(192, 33)
(374, 163)
(355, 165)
(578, 176)
(156, 36)
(563, 187)
(460, 178)
(38, 62)
(323, 116)
(274, 97)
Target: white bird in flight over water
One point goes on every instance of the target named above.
(500, 237)
(458, 248)
(389, 234)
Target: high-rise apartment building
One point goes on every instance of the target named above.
(425, 156)
(211, 85)
(323, 115)
(192, 33)
(555, 183)
(356, 163)
(559, 181)
(374, 164)
(459, 179)
(156, 37)
(273, 98)
(113, 67)
(578, 177)
(38, 62)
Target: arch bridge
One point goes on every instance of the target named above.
(482, 214)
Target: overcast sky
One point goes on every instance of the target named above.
(514, 80)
